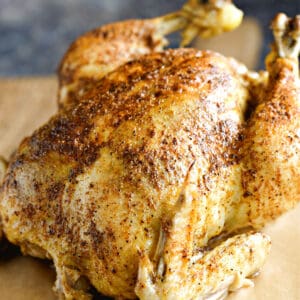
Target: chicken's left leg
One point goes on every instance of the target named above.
(177, 273)
(271, 151)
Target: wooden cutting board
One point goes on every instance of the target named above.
(27, 103)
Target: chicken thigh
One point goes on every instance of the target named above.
(160, 165)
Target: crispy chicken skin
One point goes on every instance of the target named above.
(156, 160)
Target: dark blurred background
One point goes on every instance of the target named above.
(34, 34)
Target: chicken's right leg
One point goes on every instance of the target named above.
(102, 50)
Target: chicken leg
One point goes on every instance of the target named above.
(271, 151)
(102, 50)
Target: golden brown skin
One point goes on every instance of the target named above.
(101, 51)
(103, 175)
(126, 186)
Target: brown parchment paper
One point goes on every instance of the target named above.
(27, 103)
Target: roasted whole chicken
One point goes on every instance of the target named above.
(160, 167)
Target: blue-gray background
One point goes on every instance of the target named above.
(35, 33)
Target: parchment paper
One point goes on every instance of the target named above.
(27, 103)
